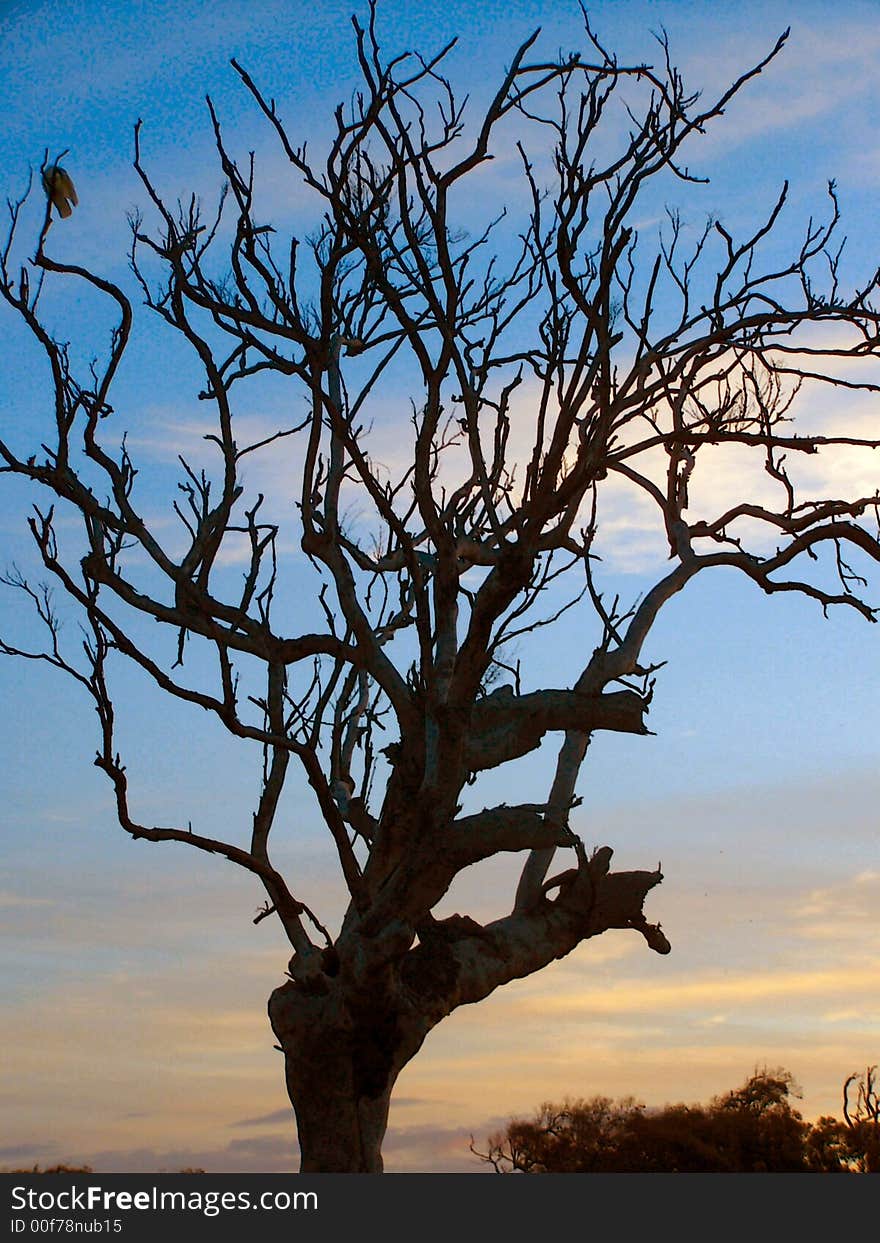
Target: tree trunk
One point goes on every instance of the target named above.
(340, 1129)
(341, 1063)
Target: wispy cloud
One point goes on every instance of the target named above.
(754, 988)
(28, 1151)
(417, 1149)
(277, 1115)
(822, 70)
(842, 913)
(15, 901)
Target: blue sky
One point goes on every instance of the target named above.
(134, 981)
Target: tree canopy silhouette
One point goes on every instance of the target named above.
(552, 354)
(753, 1129)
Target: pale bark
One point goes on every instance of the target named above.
(346, 1036)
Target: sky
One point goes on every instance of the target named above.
(134, 982)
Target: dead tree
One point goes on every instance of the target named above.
(577, 357)
(862, 1118)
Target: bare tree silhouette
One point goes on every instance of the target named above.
(575, 358)
(861, 1112)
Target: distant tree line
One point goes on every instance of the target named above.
(85, 1169)
(754, 1129)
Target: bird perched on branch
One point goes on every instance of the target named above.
(59, 189)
